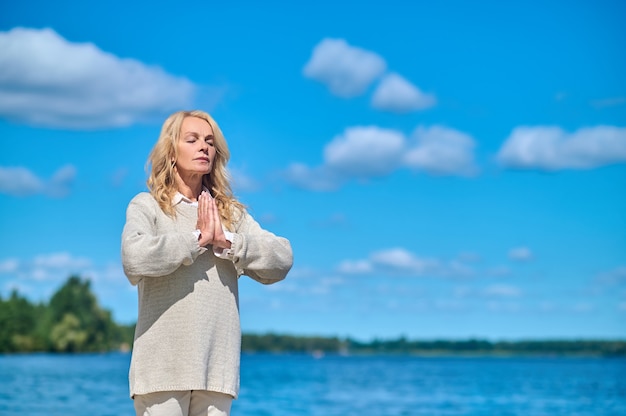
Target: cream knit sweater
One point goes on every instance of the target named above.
(188, 335)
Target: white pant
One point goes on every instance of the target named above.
(183, 403)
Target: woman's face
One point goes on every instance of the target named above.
(196, 150)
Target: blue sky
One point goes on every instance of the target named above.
(443, 170)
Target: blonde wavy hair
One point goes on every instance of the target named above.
(162, 180)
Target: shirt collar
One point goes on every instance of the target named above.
(178, 198)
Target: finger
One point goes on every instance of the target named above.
(209, 215)
(201, 208)
(207, 205)
(203, 213)
(217, 219)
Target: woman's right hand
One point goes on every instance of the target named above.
(209, 223)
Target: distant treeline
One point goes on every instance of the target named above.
(73, 321)
(286, 343)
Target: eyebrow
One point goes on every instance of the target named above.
(193, 133)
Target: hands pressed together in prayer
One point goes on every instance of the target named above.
(209, 223)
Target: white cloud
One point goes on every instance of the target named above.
(346, 70)
(457, 268)
(110, 273)
(19, 181)
(499, 271)
(614, 277)
(608, 102)
(520, 254)
(61, 261)
(583, 307)
(9, 265)
(398, 260)
(61, 181)
(469, 257)
(40, 277)
(402, 260)
(326, 285)
(303, 273)
(336, 220)
(505, 291)
(441, 150)
(49, 81)
(365, 151)
(243, 182)
(314, 179)
(547, 306)
(551, 148)
(462, 292)
(370, 151)
(45, 271)
(504, 307)
(396, 94)
(355, 267)
(307, 285)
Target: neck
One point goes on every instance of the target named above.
(191, 187)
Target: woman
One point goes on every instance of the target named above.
(184, 245)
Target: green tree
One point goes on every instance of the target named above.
(77, 322)
(72, 321)
(18, 319)
(68, 336)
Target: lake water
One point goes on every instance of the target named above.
(294, 385)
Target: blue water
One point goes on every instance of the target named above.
(281, 385)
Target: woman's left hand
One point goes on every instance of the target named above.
(209, 223)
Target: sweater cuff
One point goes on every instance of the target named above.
(225, 253)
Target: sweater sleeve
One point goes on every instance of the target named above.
(145, 253)
(259, 254)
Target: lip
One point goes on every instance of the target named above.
(203, 159)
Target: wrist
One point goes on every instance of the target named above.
(222, 244)
(201, 242)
